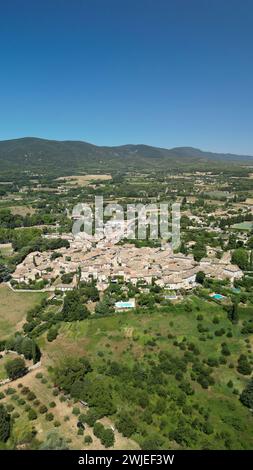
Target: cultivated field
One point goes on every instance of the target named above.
(84, 180)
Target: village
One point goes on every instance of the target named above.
(108, 262)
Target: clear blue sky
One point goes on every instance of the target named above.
(161, 72)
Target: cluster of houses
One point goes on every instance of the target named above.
(109, 262)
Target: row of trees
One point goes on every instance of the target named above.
(5, 424)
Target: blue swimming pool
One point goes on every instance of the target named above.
(217, 296)
(125, 304)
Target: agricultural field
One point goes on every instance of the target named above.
(84, 180)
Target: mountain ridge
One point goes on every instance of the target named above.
(45, 155)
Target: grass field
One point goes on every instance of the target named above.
(13, 309)
(243, 226)
(6, 249)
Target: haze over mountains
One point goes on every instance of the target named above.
(47, 155)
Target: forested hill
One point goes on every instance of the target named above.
(51, 156)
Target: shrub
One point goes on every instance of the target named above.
(15, 397)
(88, 439)
(52, 334)
(200, 317)
(9, 407)
(31, 396)
(10, 391)
(42, 409)
(57, 424)
(49, 416)
(52, 404)
(32, 415)
(39, 375)
(21, 401)
(76, 411)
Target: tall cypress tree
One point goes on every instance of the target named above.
(5, 424)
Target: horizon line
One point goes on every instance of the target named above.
(126, 145)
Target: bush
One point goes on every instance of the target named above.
(57, 424)
(15, 397)
(31, 396)
(10, 391)
(21, 401)
(49, 416)
(200, 317)
(52, 334)
(216, 320)
(88, 439)
(39, 375)
(52, 404)
(9, 407)
(76, 411)
(42, 409)
(32, 415)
